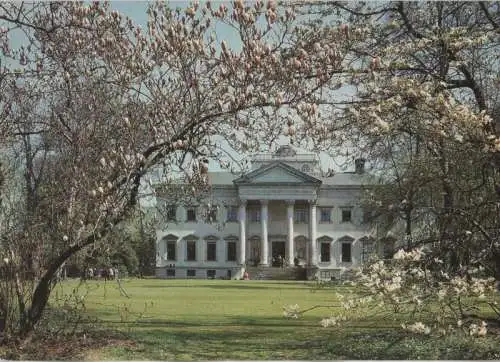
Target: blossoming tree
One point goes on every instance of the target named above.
(425, 110)
(105, 102)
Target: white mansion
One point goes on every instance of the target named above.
(282, 211)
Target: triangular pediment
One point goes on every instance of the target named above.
(277, 173)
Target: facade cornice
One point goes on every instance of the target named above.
(306, 179)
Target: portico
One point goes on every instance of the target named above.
(281, 186)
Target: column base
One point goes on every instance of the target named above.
(264, 265)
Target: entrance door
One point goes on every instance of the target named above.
(255, 251)
(278, 250)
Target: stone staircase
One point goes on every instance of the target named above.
(276, 273)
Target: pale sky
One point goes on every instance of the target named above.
(136, 10)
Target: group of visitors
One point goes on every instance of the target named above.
(279, 261)
(106, 273)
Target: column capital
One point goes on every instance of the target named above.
(290, 202)
(313, 202)
(264, 202)
(243, 202)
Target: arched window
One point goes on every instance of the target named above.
(191, 247)
(368, 248)
(211, 241)
(170, 241)
(231, 241)
(325, 243)
(346, 248)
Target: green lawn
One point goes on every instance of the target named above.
(190, 319)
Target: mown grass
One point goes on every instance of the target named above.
(190, 319)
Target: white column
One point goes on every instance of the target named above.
(312, 233)
(290, 247)
(243, 235)
(263, 222)
(180, 251)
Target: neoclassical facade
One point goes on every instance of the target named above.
(283, 209)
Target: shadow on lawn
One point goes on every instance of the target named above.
(230, 321)
(266, 343)
(306, 343)
(242, 286)
(256, 323)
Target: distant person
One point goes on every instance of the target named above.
(296, 261)
(246, 276)
(111, 274)
(280, 261)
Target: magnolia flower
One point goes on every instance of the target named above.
(65, 238)
(482, 330)
(327, 322)
(419, 327)
(399, 255)
(344, 28)
(441, 294)
(238, 4)
(271, 4)
(272, 16)
(375, 63)
(292, 311)
(383, 125)
(6, 260)
(223, 46)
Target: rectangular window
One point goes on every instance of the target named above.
(300, 216)
(191, 273)
(368, 249)
(325, 252)
(326, 214)
(346, 252)
(191, 214)
(170, 273)
(254, 215)
(231, 251)
(191, 250)
(171, 250)
(211, 251)
(346, 215)
(211, 274)
(171, 213)
(232, 214)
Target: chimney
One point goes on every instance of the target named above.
(359, 165)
